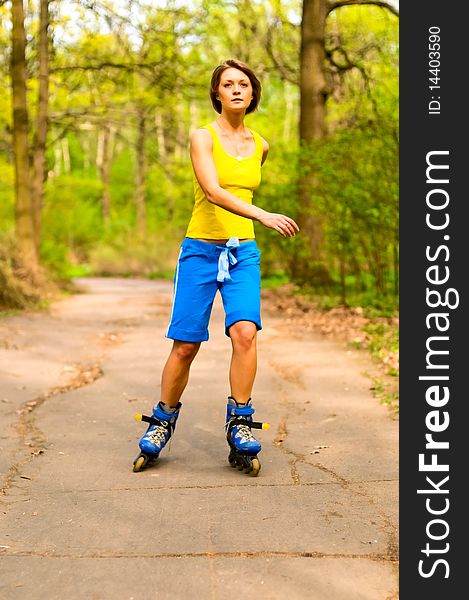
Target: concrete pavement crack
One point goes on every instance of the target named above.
(29, 433)
(207, 554)
(282, 433)
(199, 487)
(295, 457)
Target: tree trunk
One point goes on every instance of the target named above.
(343, 272)
(309, 261)
(24, 224)
(313, 86)
(194, 115)
(395, 253)
(39, 164)
(160, 137)
(378, 266)
(289, 114)
(357, 273)
(86, 145)
(66, 155)
(105, 171)
(99, 150)
(57, 160)
(140, 176)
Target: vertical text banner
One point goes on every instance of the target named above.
(434, 162)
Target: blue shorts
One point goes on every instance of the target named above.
(202, 269)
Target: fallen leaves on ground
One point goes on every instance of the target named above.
(348, 324)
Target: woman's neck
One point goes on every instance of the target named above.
(231, 121)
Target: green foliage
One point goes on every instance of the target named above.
(123, 178)
(383, 338)
(277, 193)
(169, 196)
(71, 214)
(274, 279)
(113, 70)
(355, 192)
(375, 306)
(386, 392)
(154, 257)
(6, 194)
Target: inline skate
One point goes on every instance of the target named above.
(161, 428)
(244, 446)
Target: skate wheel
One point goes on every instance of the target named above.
(139, 462)
(256, 467)
(232, 460)
(247, 464)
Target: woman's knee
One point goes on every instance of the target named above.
(186, 351)
(243, 335)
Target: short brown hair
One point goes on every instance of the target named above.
(235, 64)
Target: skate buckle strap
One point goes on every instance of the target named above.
(241, 411)
(251, 424)
(225, 258)
(162, 415)
(147, 419)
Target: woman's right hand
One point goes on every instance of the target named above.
(281, 223)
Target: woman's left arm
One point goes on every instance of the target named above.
(265, 150)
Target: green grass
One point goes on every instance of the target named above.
(383, 345)
(274, 280)
(385, 391)
(373, 305)
(167, 274)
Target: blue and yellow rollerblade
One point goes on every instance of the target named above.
(161, 427)
(244, 446)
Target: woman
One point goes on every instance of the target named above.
(219, 253)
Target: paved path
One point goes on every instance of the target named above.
(319, 523)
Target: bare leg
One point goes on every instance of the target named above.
(243, 359)
(176, 371)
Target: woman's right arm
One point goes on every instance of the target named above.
(207, 176)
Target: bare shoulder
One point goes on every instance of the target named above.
(201, 138)
(265, 145)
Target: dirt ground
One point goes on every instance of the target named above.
(320, 522)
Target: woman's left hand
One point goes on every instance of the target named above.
(284, 225)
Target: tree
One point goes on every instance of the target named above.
(315, 90)
(40, 137)
(129, 84)
(24, 223)
(314, 87)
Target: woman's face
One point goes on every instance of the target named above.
(234, 90)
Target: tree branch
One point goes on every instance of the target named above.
(282, 69)
(103, 65)
(332, 5)
(348, 65)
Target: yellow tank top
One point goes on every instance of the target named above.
(240, 177)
